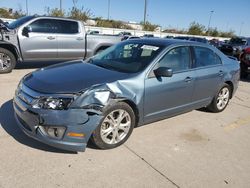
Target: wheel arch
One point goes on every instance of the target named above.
(11, 48)
(134, 108)
(231, 87)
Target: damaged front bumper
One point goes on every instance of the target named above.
(65, 129)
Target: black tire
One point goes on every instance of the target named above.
(214, 106)
(6, 55)
(97, 138)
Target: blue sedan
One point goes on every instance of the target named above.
(130, 84)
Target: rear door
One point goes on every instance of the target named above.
(41, 43)
(167, 96)
(209, 75)
(71, 39)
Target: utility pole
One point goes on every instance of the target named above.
(145, 11)
(27, 10)
(108, 9)
(61, 5)
(241, 25)
(210, 17)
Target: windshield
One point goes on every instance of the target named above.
(237, 41)
(129, 57)
(17, 23)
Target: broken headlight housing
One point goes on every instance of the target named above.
(52, 103)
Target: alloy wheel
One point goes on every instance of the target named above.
(115, 126)
(223, 98)
(5, 61)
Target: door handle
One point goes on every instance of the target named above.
(51, 37)
(221, 73)
(79, 38)
(188, 79)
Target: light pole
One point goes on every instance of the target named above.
(145, 11)
(60, 5)
(108, 9)
(241, 25)
(27, 10)
(210, 17)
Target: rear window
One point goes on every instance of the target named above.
(67, 27)
(205, 57)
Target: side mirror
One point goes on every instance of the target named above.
(26, 31)
(163, 72)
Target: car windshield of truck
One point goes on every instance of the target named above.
(17, 23)
(237, 41)
(129, 57)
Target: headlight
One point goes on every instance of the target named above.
(52, 103)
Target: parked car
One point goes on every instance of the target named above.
(235, 46)
(148, 36)
(130, 84)
(216, 43)
(41, 38)
(94, 32)
(125, 33)
(130, 37)
(245, 63)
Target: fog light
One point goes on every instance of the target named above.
(55, 132)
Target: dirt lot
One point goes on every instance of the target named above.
(197, 149)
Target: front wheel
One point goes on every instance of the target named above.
(221, 100)
(7, 61)
(116, 126)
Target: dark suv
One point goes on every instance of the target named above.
(245, 63)
(235, 46)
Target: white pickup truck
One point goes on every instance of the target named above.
(42, 38)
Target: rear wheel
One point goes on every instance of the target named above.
(221, 100)
(116, 126)
(7, 61)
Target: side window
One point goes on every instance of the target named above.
(67, 27)
(205, 57)
(177, 59)
(43, 26)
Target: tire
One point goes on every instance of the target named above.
(7, 61)
(112, 131)
(221, 99)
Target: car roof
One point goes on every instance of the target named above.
(167, 42)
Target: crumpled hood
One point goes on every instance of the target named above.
(70, 77)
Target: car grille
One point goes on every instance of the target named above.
(26, 94)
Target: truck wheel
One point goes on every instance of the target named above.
(115, 127)
(7, 61)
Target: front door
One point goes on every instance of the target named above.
(41, 42)
(167, 96)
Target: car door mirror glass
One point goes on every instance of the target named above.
(163, 72)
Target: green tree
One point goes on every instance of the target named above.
(227, 34)
(5, 13)
(213, 32)
(55, 12)
(196, 29)
(79, 14)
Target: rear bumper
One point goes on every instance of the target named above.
(32, 123)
